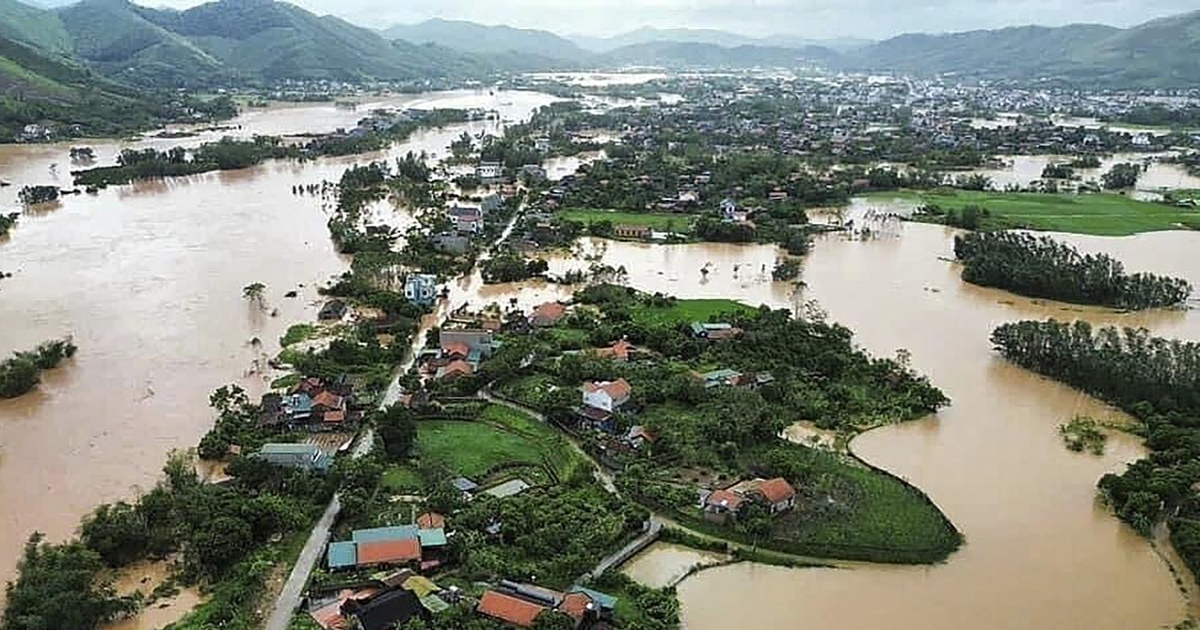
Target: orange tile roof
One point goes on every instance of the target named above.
(389, 551)
(575, 605)
(458, 347)
(335, 417)
(328, 399)
(509, 609)
(776, 490)
(723, 498)
(619, 388)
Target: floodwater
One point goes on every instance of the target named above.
(1041, 552)
(1020, 170)
(148, 279)
(664, 564)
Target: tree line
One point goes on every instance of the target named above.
(1040, 267)
(1156, 380)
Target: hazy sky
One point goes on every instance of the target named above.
(809, 18)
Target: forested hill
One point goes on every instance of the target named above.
(1158, 53)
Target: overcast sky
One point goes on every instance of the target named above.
(874, 19)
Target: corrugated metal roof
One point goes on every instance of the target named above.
(396, 532)
(388, 551)
(341, 555)
(434, 537)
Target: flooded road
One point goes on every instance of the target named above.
(148, 279)
(1040, 551)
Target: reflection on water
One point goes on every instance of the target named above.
(1020, 170)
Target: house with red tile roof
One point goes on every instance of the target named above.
(509, 609)
(391, 552)
(607, 395)
(777, 494)
(722, 506)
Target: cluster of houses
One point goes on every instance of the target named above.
(417, 546)
(726, 505)
(313, 404)
(461, 348)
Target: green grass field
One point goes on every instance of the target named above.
(1097, 214)
(686, 311)
(473, 448)
(656, 220)
(401, 479)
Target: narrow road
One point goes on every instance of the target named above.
(293, 589)
(622, 555)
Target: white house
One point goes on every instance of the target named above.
(420, 288)
(489, 170)
(607, 395)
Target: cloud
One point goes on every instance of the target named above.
(807, 18)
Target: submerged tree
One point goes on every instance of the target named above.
(254, 292)
(1040, 267)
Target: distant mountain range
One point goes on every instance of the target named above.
(65, 49)
(1161, 53)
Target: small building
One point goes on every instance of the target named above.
(777, 494)
(619, 351)
(718, 378)
(489, 171)
(722, 506)
(420, 289)
(624, 230)
(333, 310)
(714, 331)
(547, 315)
(467, 220)
(607, 395)
(479, 342)
(509, 488)
(391, 609)
(307, 457)
(431, 520)
(341, 555)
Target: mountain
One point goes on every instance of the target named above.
(30, 25)
(242, 40)
(693, 54)
(116, 38)
(1160, 53)
(487, 40)
(648, 35)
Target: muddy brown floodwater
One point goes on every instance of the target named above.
(148, 278)
(1040, 551)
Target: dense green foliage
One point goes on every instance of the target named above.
(19, 373)
(1083, 433)
(59, 588)
(1154, 379)
(1123, 175)
(1041, 267)
(1156, 115)
(30, 195)
(225, 154)
(510, 266)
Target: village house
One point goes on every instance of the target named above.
(312, 404)
(619, 351)
(333, 310)
(467, 220)
(725, 505)
(489, 171)
(607, 396)
(722, 507)
(714, 331)
(547, 315)
(307, 457)
(624, 230)
(398, 545)
(420, 289)
(521, 604)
